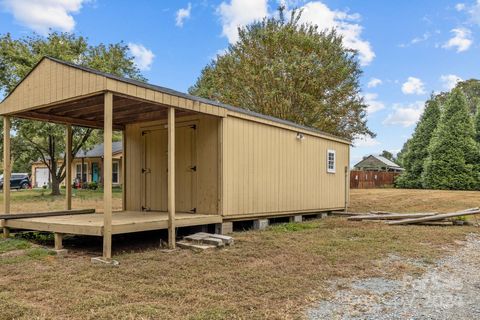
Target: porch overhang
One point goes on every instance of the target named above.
(65, 93)
(89, 112)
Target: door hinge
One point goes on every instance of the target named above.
(193, 168)
(194, 210)
(193, 126)
(145, 208)
(147, 170)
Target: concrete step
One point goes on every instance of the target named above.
(204, 240)
(194, 246)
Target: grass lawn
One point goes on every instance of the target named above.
(35, 200)
(267, 274)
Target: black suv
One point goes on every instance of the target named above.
(17, 181)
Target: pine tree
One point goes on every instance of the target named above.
(453, 152)
(477, 125)
(415, 151)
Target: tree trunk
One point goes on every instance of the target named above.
(55, 186)
(53, 167)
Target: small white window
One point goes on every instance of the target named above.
(331, 161)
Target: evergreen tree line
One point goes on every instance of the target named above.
(444, 150)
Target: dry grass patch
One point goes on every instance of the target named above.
(409, 200)
(268, 274)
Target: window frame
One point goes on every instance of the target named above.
(82, 173)
(334, 168)
(117, 173)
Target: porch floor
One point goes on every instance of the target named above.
(122, 222)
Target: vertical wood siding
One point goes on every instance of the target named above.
(50, 82)
(207, 163)
(268, 170)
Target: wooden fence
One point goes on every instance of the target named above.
(372, 179)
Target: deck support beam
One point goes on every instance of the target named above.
(171, 178)
(58, 241)
(68, 167)
(107, 176)
(6, 169)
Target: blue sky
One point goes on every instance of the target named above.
(408, 49)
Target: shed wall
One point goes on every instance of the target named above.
(268, 171)
(207, 196)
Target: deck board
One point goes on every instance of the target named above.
(122, 222)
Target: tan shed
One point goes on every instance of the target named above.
(227, 163)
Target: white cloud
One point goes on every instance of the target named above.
(242, 12)
(373, 105)
(182, 15)
(42, 15)
(374, 82)
(460, 6)
(462, 40)
(319, 14)
(405, 116)
(413, 86)
(473, 12)
(449, 81)
(424, 37)
(143, 57)
(365, 141)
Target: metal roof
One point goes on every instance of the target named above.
(382, 159)
(386, 161)
(191, 97)
(97, 151)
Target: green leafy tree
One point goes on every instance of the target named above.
(45, 141)
(291, 70)
(415, 150)
(452, 162)
(388, 155)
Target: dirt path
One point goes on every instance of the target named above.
(449, 289)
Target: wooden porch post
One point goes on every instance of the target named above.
(107, 176)
(68, 168)
(171, 178)
(123, 163)
(6, 169)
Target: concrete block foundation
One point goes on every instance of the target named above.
(260, 224)
(298, 218)
(224, 228)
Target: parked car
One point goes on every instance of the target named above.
(17, 181)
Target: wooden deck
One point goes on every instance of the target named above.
(122, 222)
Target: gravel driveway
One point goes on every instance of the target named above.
(450, 289)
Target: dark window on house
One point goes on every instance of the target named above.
(115, 174)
